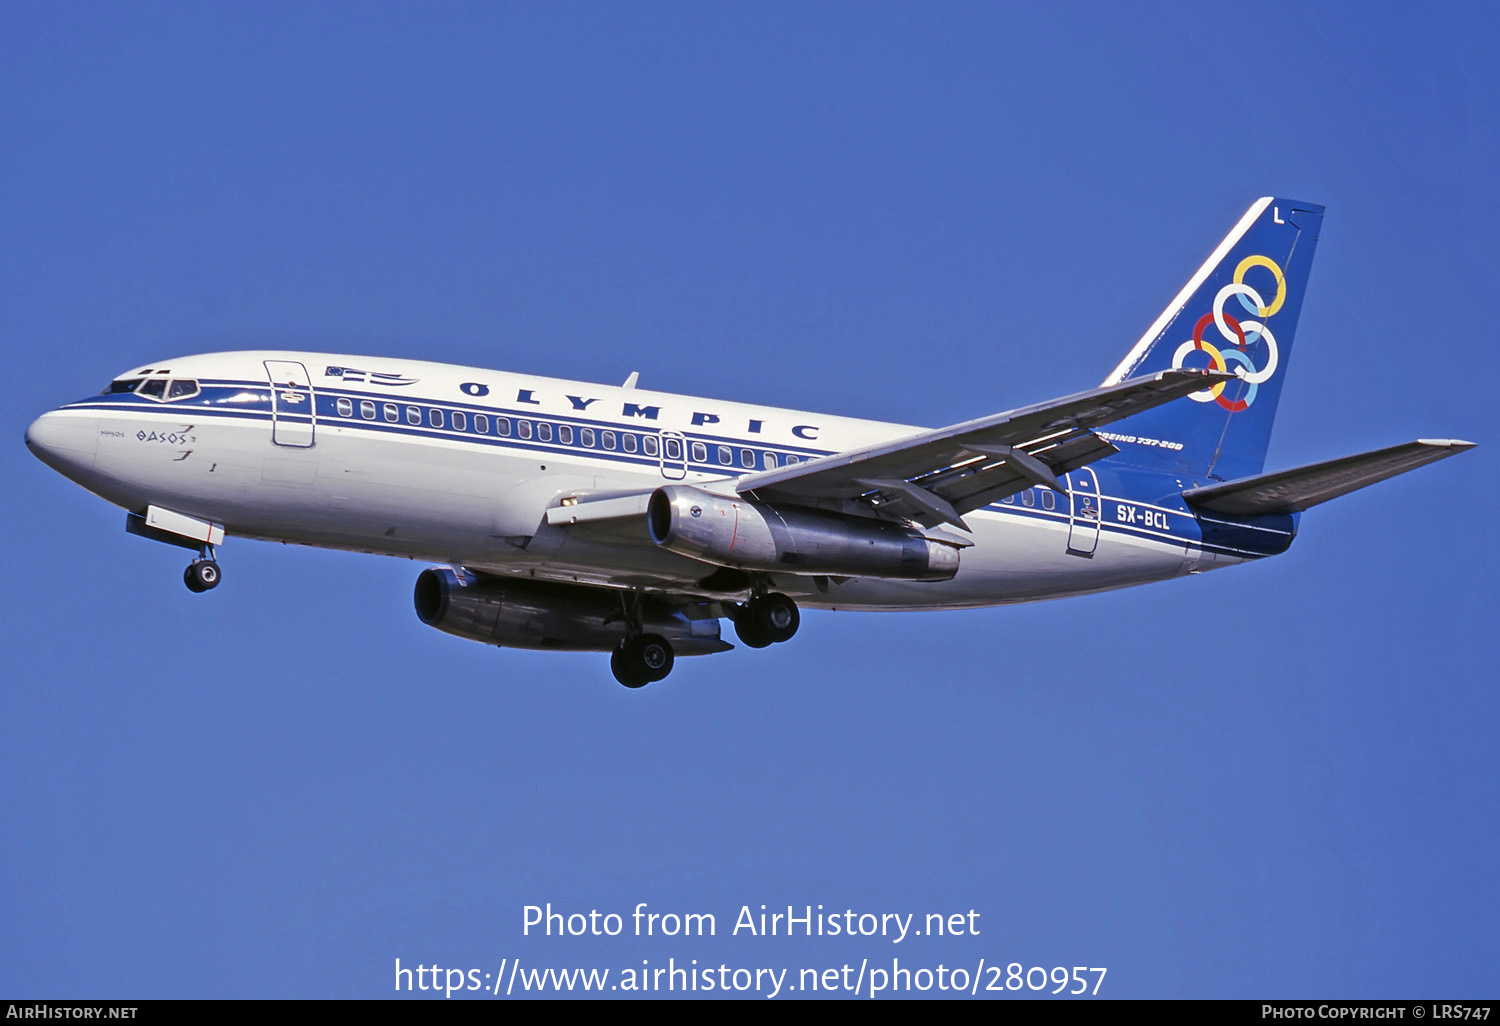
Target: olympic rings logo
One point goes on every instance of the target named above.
(1238, 334)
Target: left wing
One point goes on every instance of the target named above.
(936, 476)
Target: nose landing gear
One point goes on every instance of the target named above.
(202, 574)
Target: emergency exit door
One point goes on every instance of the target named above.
(1083, 520)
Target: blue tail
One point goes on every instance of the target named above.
(1238, 313)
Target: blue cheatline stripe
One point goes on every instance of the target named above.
(179, 412)
(175, 411)
(524, 413)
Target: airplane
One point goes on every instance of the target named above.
(576, 516)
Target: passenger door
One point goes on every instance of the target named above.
(293, 415)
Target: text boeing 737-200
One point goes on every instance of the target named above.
(583, 517)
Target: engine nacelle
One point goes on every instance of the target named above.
(753, 536)
(542, 614)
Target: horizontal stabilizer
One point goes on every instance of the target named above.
(1291, 491)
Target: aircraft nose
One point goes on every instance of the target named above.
(66, 441)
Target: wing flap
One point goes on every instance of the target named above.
(1291, 491)
(965, 466)
(984, 482)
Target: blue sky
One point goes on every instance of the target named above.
(1279, 779)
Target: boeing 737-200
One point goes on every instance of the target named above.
(614, 519)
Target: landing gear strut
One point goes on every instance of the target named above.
(641, 659)
(202, 573)
(767, 620)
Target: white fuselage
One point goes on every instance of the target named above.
(459, 465)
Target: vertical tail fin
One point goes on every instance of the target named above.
(1238, 313)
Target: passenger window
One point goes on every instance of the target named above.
(182, 389)
(792, 458)
(629, 442)
(700, 452)
(609, 440)
(523, 428)
(674, 448)
(1029, 497)
(435, 418)
(414, 416)
(747, 458)
(544, 431)
(367, 409)
(565, 434)
(725, 456)
(345, 408)
(586, 436)
(460, 421)
(770, 461)
(651, 445)
(391, 413)
(1049, 501)
(481, 424)
(154, 387)
(1009, 500)
(502, 426)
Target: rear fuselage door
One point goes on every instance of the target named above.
(673, 456)
(293, 418)
(1083, 521)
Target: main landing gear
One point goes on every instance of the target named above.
(766, 620)
(202, 573)
(640, 659)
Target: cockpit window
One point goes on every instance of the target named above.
(163, 390)
(158, 389)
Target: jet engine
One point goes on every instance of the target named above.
(748, 535)
(546, 615)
